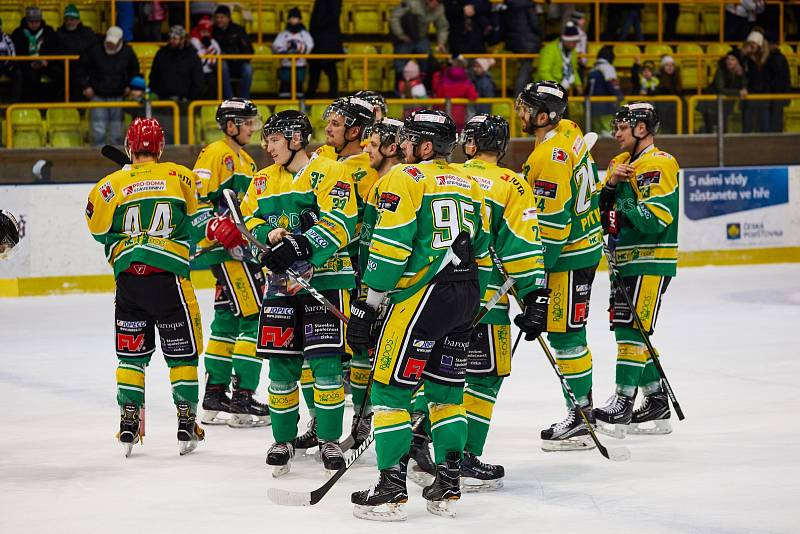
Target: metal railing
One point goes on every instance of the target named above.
(694, 99)
(676, 100)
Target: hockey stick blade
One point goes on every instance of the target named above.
(116, 155)
(306, 498)
(590, 139)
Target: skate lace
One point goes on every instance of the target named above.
(567, 422)
(645, 403)
(615, 404)
(330, 449)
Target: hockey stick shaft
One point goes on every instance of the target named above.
(612, 266)
(116, 155)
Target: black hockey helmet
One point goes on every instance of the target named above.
(356, 111)
(374, 98)
(9, 232)
(387, 128)
(548, 97)
(487, 132)
(430, 125)
(288, 123)
(236, 109)
(637, 112)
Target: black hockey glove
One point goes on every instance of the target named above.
(533, 319)
(292, 248)
(359, 328)
(612, 221)
(307, 220)
(608, 196)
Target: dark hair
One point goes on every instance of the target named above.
(222, 9)
(607, 53)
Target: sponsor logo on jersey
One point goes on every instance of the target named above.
(388, 201)
(545, 189)
(144, 186)
(314, 308)
(171, 326)
(529, 214)
(577, 146)
(647, 178)
(276, 336)
(341, 189)
(513, 179)
(456, 181)
(316, 238)
(107, 192)
(559, 155)
(228, 161)
(89, 209)
(414, 172)
(260, 184)
(129, 343)
(423, 344)
(131, 324)
(413, 367)
(485, 183)
(279, 310)
(308, 329)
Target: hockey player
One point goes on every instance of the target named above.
(293, 325)
(379, 108)
(564, 179)
(142, 215)
(9, 233)
(515, 238)
(224, 164)
(639, 209)
(428, 214)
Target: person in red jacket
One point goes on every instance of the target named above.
(454, 82)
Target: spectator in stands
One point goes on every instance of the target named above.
(7, 68)
(295, 39)
(483, 83)
(151, 16)
(105, 71)
(669, 83)
(233, 39)
(767, 71)
(454, 82)
(40, 80)
(126, 17)
(523, 35)
(643, 77)
(740, 17)
(729, 80)
(631, 19)
(409, 25)
(199, 11)
(327, 36)
(579, 20)
(469, 23)
(75, 39)
(412, 84)
(603, 81)
(671, 12)
(559, 62)
(207, 45)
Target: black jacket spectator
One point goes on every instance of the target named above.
(233, 39)
(177, 72)
(469, 24)
(521, 27)
(327, 35)
(108, 74)
(75, 43)
(41, 80)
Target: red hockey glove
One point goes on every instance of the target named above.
(223, 230)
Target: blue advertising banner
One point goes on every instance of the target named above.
(715, 191)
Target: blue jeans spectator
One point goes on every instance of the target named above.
(633, 18)
(423, 46)
(125, 19)
(106, 121)
(244, 71)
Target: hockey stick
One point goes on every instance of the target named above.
(616, 454)
(116, 155)
(612, 266)
(236, 214)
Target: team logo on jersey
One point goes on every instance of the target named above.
(388, 201)
(228, 161)
(107, 192)
(89, 209)
(648, 178)
(577, 146)
(144, 186)
(456, 181)
(414, 172)
(423, 344)
(341, 190)
(545, 189)
(260, 184)
(559, 155)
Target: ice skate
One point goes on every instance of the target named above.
(613, 418)
(421, 468)
(309, 439)
(361, 432)
(189, 432)
(348, 390)
(128, 434)
(655, 409)
(280, 457)
(246, 412)
(215, 402)
(384, 501)
(331, 456)
(477, 476)
(570, 434)
(445, 490)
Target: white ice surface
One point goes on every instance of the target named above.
(728, 336)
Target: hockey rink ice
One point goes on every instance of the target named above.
(727, 335)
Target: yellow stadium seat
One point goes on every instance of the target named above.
(211, 134)
(791, 116)
(355, 69)
(52, 16)
(656, 50)
(29, 120)
(92, 16)
(266, 21)
(709, 19)
(367, 18)
(28, 139)
(145, 53)
(690, 67)
(625, 49)
(265, 77)
(286, 107)
(66, 139)
(791, 58)
(688, 19)
(11, 15)
(649, 19)
(63, 118)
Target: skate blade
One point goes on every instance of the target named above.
(418, 476)
(127, 448)
(385, 512)
(476, 485)
(578, 443)
(210, 418)
(185, 447)
(613, 430)
(444, 508)
(661, 426)
(248, 421)
(280, 470)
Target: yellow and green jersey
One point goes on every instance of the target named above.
(144, 214)
(564, 179)
(648, 240)
(514, 232)
(219, 167)
(421, 209)
(277, 198)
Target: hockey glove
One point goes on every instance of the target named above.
(307, 220)
(608, 196)
(612, 221)
(223, 230)
(359, 327)
(292, 248)
(533, 319)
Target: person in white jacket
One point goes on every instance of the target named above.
(295, 39)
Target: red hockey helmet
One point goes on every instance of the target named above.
(144, 136)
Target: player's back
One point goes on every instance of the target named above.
(218, 167)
